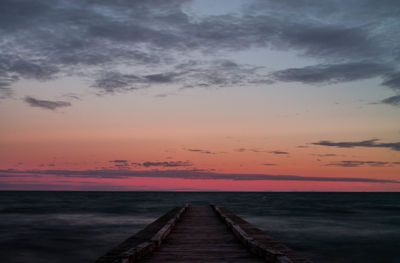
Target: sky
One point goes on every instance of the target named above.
(200, 95)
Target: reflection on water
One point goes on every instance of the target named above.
(80, 226)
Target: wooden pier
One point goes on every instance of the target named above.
(201, 234)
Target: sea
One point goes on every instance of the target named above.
(44, 227)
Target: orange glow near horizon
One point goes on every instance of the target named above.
(218, 156)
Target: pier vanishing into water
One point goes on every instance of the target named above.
(201, 234)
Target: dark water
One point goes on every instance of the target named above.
(81, 226)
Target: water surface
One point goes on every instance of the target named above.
(44, 227)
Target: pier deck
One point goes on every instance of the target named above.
(201, 234)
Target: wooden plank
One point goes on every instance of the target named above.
(257, 241)
(201, 236)
(145, 241)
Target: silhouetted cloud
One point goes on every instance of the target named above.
(167, 164)
(269, 164)
(373, 143)
(111, 82)
(5, 84)
(332, 73)
(155, 39)
(46, 104)
(122, 164)
(118, 161)
(279, 152)
(394, 100)
(148, 164)
(359, 163)
(186, 174)
(199, 151)
(393, 81)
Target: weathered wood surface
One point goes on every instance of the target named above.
(145, 241)
(257, 241)
(200, 236)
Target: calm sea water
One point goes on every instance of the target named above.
(44, 227)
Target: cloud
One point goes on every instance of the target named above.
(393, 81)
(240, 150)
(153, 39)
(394, 100)
(258, 151)
(279, 152)
(118, 161)
(331, 73)
(160, 78)
(122, 164)
(186, 174)
(6, 79)
(167, 164)
(148, 164)
(5, 92)
(199, 151)
(373, 143)
(16, 173)
(46, 104)
(359, 163)
(269, 164)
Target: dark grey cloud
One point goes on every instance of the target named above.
(199, 151)
(111, 82)
(373, 143)
(16, 173)
(160, 78)
(269, 164)
(331, 73)
(46, 104)
(48, 39)
(393, 81)
(167, 164)
(185, 174)
(148, 164)
(191, 74)
(118, 161)
(359, 163)
(336, 28)
(279, 152)
(394, 100)
(255, 150)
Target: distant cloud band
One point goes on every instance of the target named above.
(46, 104)
(373, 143)
(185, 174)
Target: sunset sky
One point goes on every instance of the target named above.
(207, 95)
